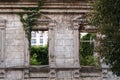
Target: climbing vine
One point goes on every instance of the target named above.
(29, 19)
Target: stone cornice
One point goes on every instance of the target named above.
(76, 8)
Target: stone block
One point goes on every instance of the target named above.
(15, 36)
(59, 48)
(14, 48)
(68, 36)
(15, 55)
(39, 75)
(14, 63)
(59, 36)
(59, 42)
(64, 74)
(68, 32)
(14, 75)
(59, 56)
(10, 30)
(60, 78)
(69, 48)
(14, 31)
(69, 62)
(68, 42)
(60, 62)
(68, 54)
(68, 79)
(18, 23)
(13, 42)
(10, 24)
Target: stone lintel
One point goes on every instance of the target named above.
(76, 8)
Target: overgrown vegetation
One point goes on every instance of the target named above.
(29, 19)
(87, 50)
(39, 55)
(106, 18)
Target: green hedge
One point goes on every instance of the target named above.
(39, 55)
(86, 51)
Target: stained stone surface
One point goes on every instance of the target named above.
(64, 50)
(63, 42)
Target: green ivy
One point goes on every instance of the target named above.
(29, 19)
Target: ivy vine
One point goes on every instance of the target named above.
(29, 19)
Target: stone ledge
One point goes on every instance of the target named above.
(45, 11)
(90, 69)
(52, 8)
(39, 68)
(50, 1)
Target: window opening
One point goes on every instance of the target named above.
(33, 34)
(87, 43)
(33, 41)
(39, 50)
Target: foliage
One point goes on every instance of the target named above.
(29, 19)
(88, 60)
(86, 51)
(106, 18)
(39, 55)
(87, 47)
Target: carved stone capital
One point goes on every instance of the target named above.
(2, 74)
(76, 73)
(76, 26)
(51, 25)
(52, 62)
(2, 24)
(52, 73)
(77, 63)
(26, 73)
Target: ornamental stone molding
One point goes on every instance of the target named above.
(63, 20)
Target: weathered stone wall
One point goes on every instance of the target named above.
(14, 55)
(87, 73)
(63, 30)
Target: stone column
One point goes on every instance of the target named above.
(76, 72)
(26, 52)
(26, 74)
(76, 45)
(51, 51)
(51, 44)
(26, 71)
(2, 48)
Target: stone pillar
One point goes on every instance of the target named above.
(64, 51)
(76, 45)
(51, 51)
(26, 74)
(76, 72)
(2, 48)
(51, 45)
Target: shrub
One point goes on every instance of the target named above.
(39, 55)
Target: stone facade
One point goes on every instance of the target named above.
(62, 20)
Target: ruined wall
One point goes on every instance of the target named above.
(63, 43)
(14, 47)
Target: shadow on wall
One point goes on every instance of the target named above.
(51, 1)
(64, 0)
(18, 0)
